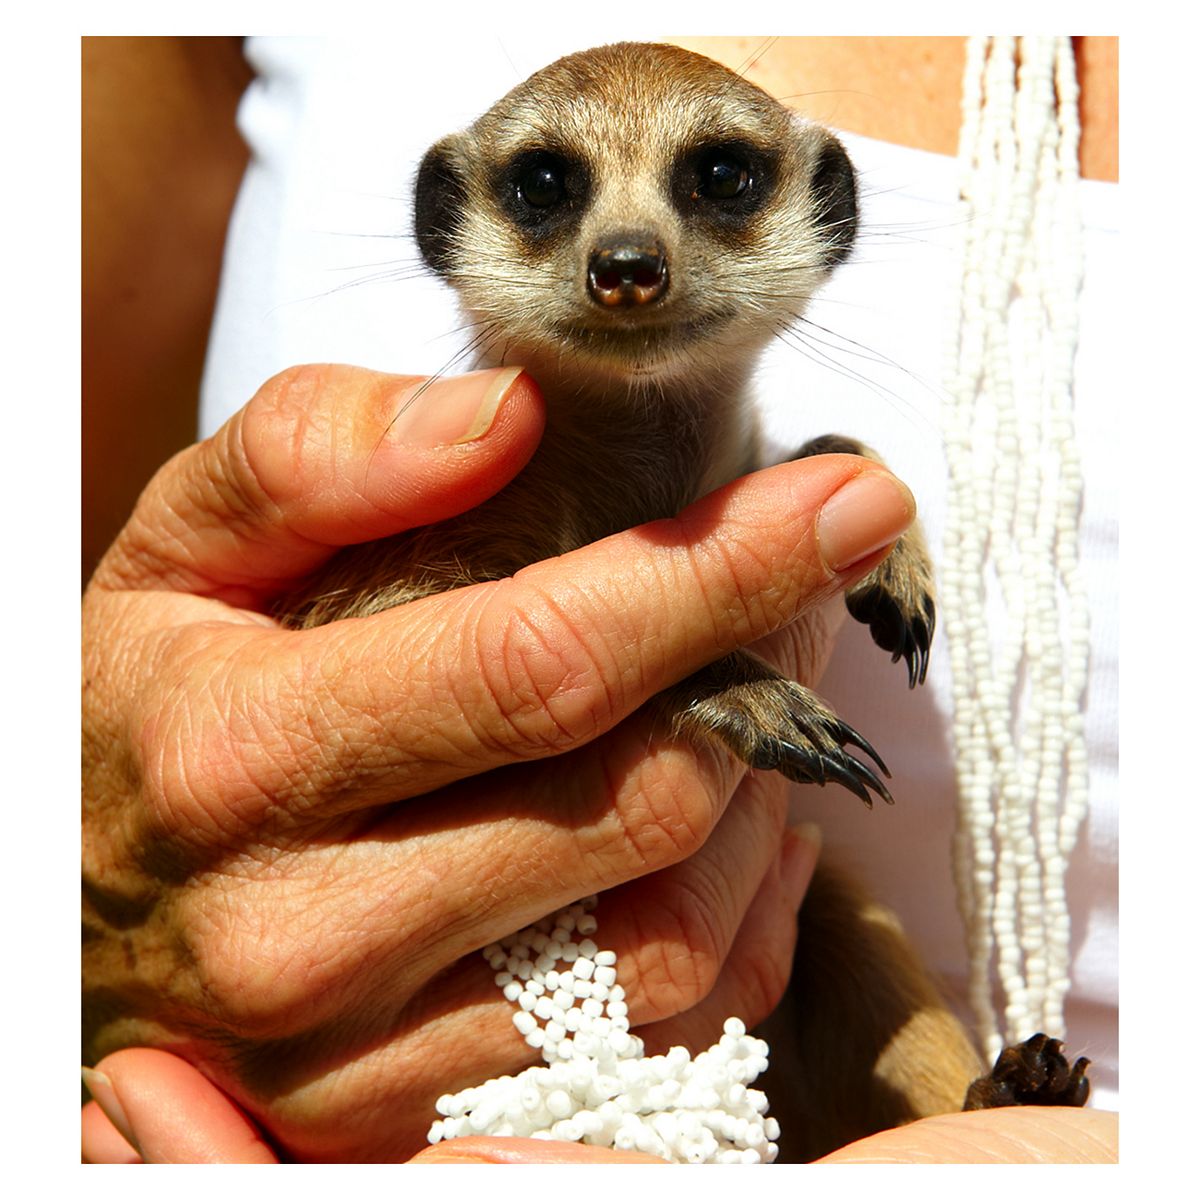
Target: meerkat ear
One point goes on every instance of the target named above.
(440, 195)
(834, 189)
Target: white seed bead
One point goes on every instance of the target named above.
(598, 1085)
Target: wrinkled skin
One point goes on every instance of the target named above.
(295, 841)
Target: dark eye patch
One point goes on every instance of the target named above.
(723, 184)
(542, 190)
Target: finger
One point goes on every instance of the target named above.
(998, 1135)
(171, 1113)
(508, 850)
(755, 973)
(498, 854)
(400, 703)
(322, 457)
(526, 1150)
(101, 1140)
(673, 931)
(458, 1031)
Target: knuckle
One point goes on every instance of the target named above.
(270, 447)
(218, 748)
(763, 978)
(683, 950)
(248, 974)
(672, 813)
(547, 686)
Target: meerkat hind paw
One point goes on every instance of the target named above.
(1034, 1072)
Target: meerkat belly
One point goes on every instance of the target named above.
(617, 482)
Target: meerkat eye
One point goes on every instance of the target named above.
(723, 176)
(541, 183)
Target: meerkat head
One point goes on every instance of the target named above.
(634, 212)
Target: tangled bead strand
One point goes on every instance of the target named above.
(598, 1087)
(1014, 602)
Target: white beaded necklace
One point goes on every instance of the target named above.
(1013, 597)
(598, 1087)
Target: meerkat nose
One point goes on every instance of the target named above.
(627, 269)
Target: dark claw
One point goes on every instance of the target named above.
(904, 637)
(845, 733)
(870, 779)
(849, 779)
(820, 767)
(766, 755)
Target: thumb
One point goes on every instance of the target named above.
(148, 1104)
(322, 457)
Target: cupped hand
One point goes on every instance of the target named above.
(295, 841)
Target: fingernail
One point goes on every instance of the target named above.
(801, 848)
(102, 1092)
(810, 831)
(452, 412)
(862, 516)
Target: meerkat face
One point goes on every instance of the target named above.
(634, 212)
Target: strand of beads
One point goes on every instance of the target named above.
(598, 1086)
(1014, 601)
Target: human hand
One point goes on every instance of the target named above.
(172, 1113)
(289, 842)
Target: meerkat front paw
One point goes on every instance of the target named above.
(896, 600)
(1035, 1072)
(773, 723)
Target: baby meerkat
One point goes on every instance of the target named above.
(633, 225)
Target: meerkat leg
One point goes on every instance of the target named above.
(863, 1040)
(772, 723)
(896, 601)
